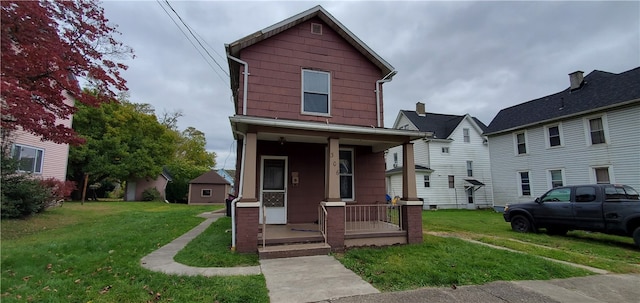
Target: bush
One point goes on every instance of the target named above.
(58, 190)
(151, 194)
(23, 196)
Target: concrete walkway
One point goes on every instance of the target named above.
(324, 279)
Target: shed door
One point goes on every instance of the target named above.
(273, 191)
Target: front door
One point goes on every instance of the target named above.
(273, 190)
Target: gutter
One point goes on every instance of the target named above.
(378, 84)
(246, 82)
(240, 187)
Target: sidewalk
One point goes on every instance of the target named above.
(323, 279)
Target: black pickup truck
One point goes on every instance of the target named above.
(606, 208)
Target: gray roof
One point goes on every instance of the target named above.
(441, 125)
(600, 90)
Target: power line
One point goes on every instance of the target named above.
(194, 36)
(194, 46)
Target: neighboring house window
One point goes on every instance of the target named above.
(452, 182)
(556, 178)
(602, 175)
(465, 134)
(316, 92)
(395, 159)
(427, 181)
(469, 168)
(346, 174)
(521, 143)
(525, 183)
(206, 193)
(596, 129)
(29, 158)
(445, 150)
(554, 137)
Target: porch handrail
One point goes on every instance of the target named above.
(322, 221)
(372, 218)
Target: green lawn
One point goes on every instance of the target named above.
(92, 252)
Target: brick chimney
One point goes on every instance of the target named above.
(576, 78)
(420, 109)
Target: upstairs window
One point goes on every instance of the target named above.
(316, 92)
(29, 158)
(596, 128)
(521, 143)
(465, 135)
(556, 178)
(469, 168)
(553, 136)
(602, 175)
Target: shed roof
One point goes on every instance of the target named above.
(210, 177)
(600, 90)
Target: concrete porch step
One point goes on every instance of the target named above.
(293, 250)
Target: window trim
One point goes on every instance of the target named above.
(451, 179)
(466, 137)
(520, 183)
(469, 168)
(302, 92)
(550, 178)
(206, 196)
(445, 150)
(426, 181)
(35, 162)
(547, 136)
(516, 143)
(353, 174)
(587, 129)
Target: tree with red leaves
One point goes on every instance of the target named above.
(46, 47)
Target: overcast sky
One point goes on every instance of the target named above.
(456, 57)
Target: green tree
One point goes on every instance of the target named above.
(123, 140)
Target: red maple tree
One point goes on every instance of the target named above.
(45, 46)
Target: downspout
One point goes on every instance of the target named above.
(378, 83)
(240, 187)
(246, 82)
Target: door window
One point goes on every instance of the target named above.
(557, 195)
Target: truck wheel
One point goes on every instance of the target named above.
(636, 236)
(521, 224)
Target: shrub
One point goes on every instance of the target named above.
(22, 196)
(58, 190)
(151, 194)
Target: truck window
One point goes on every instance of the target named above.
(585, 194)
(620, 193)
(632, 194)
(557, 195)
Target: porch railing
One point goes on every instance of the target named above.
(322, 221)
(372, 218)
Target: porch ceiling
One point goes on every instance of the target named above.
(267, 129)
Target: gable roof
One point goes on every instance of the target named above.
(233, 49)
(442, 125)
(210, 177)
(600, 90)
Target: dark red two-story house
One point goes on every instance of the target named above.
(310, 158)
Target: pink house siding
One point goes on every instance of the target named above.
(275, 67)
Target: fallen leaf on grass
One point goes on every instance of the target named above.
(26, 279)
(105, 289)
(77, 281)
(49, 266)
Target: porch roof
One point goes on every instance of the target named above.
(317, 132)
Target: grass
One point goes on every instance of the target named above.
(92, 252)
(612, 253)
(442, 261)
(211, 248)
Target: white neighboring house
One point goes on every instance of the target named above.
(452, 167)
(587, 133)
(43, 159)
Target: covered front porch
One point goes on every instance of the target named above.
(309, 182)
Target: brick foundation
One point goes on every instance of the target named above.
(335, 226)
(412, 221)
(247, 229)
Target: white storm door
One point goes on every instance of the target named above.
(273, 190)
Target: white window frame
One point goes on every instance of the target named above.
(587, 129)
(466, 136)
(426, 181)
(36, 163)
(206, 196)
(515, 143)
(445, 150)
(547, 136)
(352, 174)
(328, 93)
(550, 180)
(469, 168)
(520, 183)
(593, 176)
